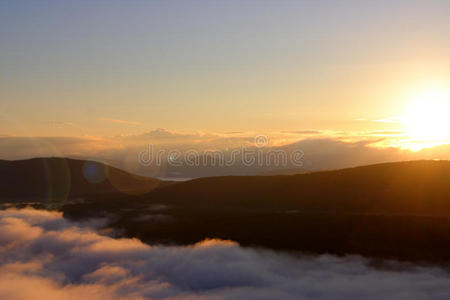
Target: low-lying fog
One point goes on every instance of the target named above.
(43, 256)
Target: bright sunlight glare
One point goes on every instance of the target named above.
(427, 118)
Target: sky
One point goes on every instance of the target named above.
(102, 69)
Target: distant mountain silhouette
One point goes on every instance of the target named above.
(56, 179)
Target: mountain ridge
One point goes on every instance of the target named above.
(56, 178)
(416, 187)
(391, 210)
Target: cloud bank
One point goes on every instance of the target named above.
(322, 151)
(43, 256)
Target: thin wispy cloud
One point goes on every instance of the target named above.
(301, 131)
(388, 120)
(118, 121)
(60, 123)
(395, 120)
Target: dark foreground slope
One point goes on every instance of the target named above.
(394, 210)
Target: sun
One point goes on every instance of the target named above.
(427, 118)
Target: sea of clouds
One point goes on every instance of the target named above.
(44, 256)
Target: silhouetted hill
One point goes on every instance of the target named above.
(416, 187)
(56, 179)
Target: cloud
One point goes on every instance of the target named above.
(388, 120)
(302, 132)
(18, 147)
(323, 150)
(119, 121)
(383, 120)
(165, 134)
(60, 124)
(386, 133)
(45, 256)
